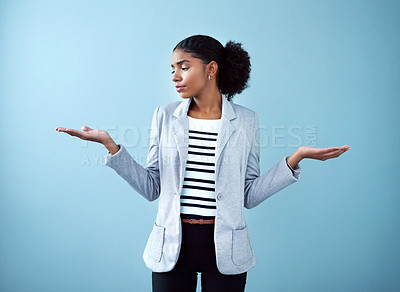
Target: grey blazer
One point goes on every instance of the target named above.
(238, 183)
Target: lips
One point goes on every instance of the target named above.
(179, 88)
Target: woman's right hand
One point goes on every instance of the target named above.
(95, 135)
(87, 133)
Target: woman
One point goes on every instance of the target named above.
(203, 165)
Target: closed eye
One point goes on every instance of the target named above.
(183, 69)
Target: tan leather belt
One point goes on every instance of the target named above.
(199, 221)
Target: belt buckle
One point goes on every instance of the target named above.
(191, 221)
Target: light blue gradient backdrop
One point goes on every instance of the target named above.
(322, 71)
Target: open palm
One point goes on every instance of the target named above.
(322, 153)
(95, 135)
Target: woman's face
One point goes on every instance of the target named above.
(189, 74)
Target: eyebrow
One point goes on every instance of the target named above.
(180, 62)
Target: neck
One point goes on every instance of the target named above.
(208, 103)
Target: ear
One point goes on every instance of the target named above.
(212, 68)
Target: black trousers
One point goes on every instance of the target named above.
(197, 255)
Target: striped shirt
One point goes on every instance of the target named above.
(198, 191)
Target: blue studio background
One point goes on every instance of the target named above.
(324, 73)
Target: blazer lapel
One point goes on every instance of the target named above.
(180, 130)
(226, 129)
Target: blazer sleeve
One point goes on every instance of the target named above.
(145, 180)
(259, 188)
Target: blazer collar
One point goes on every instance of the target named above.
(227, 109)
(180, 128)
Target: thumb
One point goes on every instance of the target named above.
(85, 128)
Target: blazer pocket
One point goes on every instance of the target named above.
(156, 242)
(242, 251)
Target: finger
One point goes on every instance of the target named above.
(346, 147)
(343, 149)
(73, 132)
(59, 129)
(335, 154)
(329, 150)
(86, 128)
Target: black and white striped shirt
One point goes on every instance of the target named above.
(198, 191)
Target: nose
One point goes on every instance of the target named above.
(176, 77)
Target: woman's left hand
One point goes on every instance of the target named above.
(322, 153)
(316, 153)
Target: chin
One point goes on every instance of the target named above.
(184, 96)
